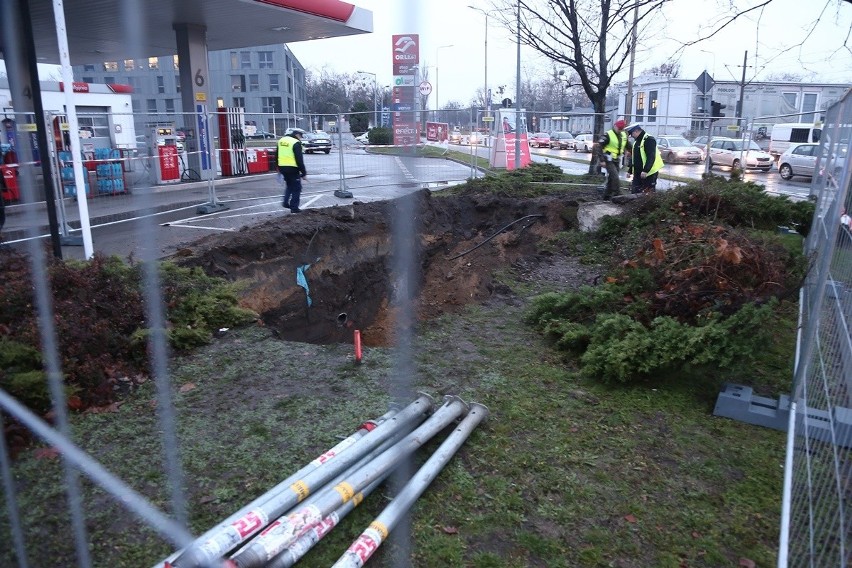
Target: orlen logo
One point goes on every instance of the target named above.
(403, 131)
(404, 43)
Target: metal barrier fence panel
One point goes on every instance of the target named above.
(816, 517)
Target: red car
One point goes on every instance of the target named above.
(540, 140)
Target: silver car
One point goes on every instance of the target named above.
(798, 160)
(584, 143)
(674, 149)
(736, 153)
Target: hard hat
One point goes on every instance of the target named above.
(633, 127)
(294, 131)
(620, 124)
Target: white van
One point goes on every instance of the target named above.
(788, 133)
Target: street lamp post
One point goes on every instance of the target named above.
(486, 98)
(375, 89)
(518, 97)
(437, 104)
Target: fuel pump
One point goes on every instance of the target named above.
(232, 141)
(167, 160)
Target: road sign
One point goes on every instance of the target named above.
(425, 88)
(733, 127)
(487, 119)
(704, 82)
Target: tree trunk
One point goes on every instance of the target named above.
(599, 106)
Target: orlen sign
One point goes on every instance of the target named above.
(406, 52)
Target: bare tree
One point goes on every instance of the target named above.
(590, 37)
(667, 69)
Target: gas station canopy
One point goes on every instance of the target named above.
(97, 29)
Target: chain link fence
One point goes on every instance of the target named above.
(816, 517)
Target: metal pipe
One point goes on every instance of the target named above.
(303, 547)
(323, 458)
(308, 540)
(227, 539)
(370, 540)
(281, 534)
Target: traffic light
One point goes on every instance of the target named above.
(507, 103)
(716, 110)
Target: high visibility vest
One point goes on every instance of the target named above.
(615, 143)
(658, 158)
(286, 156)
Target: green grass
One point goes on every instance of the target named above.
(564, 472)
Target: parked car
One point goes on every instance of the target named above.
(455, 137)
(674, 149)
(729, 152)
(701, 141)
(798, 160)
(784, 135)
(540, 140)
(316, 142)
(262, 135)
(562, 140)
(584, 142)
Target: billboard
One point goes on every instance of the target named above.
(406, 58)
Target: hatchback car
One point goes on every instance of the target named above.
(316, 142)
(455, 137)
(798, 160)
(584, 143)
(736, 153)
(562, 140)
(540, 140)
(675, 149)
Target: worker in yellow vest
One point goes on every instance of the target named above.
(646, 160)
(291, 165)
(613, 144)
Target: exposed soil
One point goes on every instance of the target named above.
(352, 256)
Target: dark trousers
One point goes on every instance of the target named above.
(294, 186)
(647, 185)
(613, 184)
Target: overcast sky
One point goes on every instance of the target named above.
(769, 35)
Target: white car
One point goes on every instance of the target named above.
(675, 149)
(363, 138)
(736, 153)
(584, 143)
(798, 160)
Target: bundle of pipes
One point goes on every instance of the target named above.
(279, 527)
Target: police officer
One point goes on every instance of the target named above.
(291, 165)
(613, 145)
(646, 160)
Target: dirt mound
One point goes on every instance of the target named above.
(316, 276)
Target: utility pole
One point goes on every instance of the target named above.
(628, 104)
(742, 91)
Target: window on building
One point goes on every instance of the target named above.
(88, 79)
(289, 85)
(88, 67)
(273, 83)
(135, 82)
(175, 62)
(640, 105)
(170, 106)
(254, 83)
(271, 104)
(790, 102)
(809, 104)
(94, 120)
(177, 83)
(287, 62)
(134, 104)
(235, 60)
(109, 79)
(239, 102)
(129, 65)
(110, 66)
(161, 84)
(245, 60)
(152, 105)
(238, 83)
(652, 106)
(264, 59)
(153, 63)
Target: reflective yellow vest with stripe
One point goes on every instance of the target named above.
(658, 159)
(615, 143)
(286, 156)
